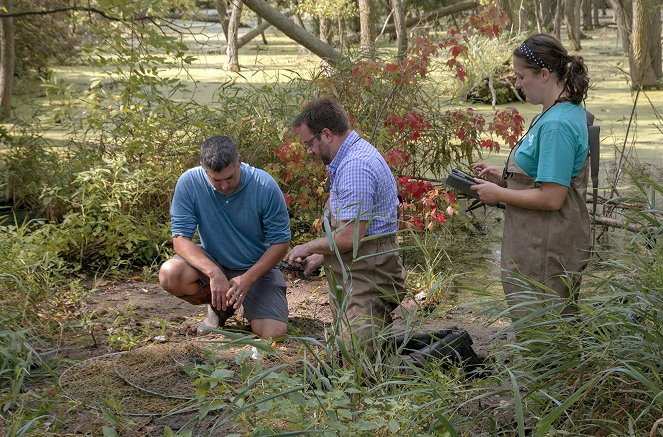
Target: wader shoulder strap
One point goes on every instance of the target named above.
(594, 156)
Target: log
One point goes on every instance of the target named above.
(621, 224)
(293, 31)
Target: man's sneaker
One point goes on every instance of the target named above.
(215, 318)
(223, 315)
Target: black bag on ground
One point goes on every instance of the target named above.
(452, 345)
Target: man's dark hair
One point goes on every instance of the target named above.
(218, 152)
(321, 113)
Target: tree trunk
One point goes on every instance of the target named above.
(595, 13)
(298, 20)
(507, 7)
(366, 28)
(258, 30)
(587, 23)
(427, 17)
(326, 31)
(623, 10)
(341, 32)
(439, 13)
(645, 53)
(262, 33)
(401, 30)
(572, 16)
(526, 13)
(548, 12)
(557, 28)
(232, 51)
(221, 8)
(293, 31)
(7, 58)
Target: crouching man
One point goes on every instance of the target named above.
(241, 218)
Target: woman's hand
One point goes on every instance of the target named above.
(489, 192)
(491, 174)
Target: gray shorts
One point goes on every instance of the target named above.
(266, 299)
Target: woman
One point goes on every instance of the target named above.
(546, 228)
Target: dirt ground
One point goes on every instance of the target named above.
(308, 306)
(100, 377)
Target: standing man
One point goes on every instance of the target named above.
(363, 201)
(242, 221)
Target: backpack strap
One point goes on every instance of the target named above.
(594, 156)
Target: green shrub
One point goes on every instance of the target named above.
(17, 355)
(116, 217)
(31, 280)
(380, 396)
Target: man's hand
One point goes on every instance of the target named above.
(218, 286)
(298, 254)
(312, 263)
(237, 292)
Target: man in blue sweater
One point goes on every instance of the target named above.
(240, 214)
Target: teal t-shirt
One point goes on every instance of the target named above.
(555, 148)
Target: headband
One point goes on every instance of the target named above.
(531, 56)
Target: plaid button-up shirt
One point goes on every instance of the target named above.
(362, 186)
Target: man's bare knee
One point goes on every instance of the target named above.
(168, 275)
(269, 328)
(177, 277)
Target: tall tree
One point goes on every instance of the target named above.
(507, 7)
(7, 59)
(557, 27)
(232, 51)
(326, 30)
(429, 17)
(367, 27)
(623, 10)
(221, 10)
(587, 7)
(260, 28)
(572, 9)
(401, 29)
(645, 53)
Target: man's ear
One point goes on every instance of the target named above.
(324, 132)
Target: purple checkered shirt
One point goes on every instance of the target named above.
(363, 186)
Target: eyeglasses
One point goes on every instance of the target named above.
(309, 143)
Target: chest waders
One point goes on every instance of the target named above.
(373, 287)
(544, 252)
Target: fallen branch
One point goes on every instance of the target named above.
(251, 34)
(620, 224)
